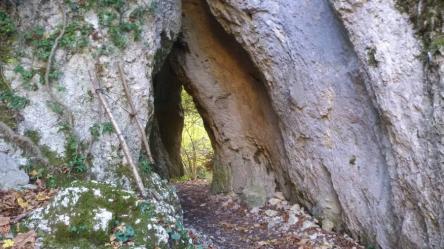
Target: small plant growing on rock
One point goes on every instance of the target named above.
(7, 26)
(100, 129)
(13, 101)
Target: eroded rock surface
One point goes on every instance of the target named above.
(66, 119)
(10, 173)
(358, 139)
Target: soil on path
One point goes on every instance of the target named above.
(222, 221)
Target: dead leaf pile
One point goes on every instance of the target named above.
(223, 221)
(14, 206)
(15, 203)
(21, 241)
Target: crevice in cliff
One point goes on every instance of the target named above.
(168, 124)
(179, 137)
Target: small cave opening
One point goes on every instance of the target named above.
(179, 138)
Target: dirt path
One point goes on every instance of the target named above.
(228, 224)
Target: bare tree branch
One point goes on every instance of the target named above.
(122, 139)
(134, 113)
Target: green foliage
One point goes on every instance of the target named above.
(117, 37)
(437, 44)
(98, 130)
(26, 76)
(7, 26)
(196, 149)
(13, 101)
(117, 4)
(124, 233)
(107, 18)
(147, 208)
(54, 75)
(75, 160)
(35, 33)
(179, 237)
(55, 107)
(33, 135)
(145, 166)
(42, 48)
(140, 12)
(77, 230)
(75, 36)
(131, 27)
(51, 181)
(111, 13)
(428, 18)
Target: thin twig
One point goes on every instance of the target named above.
(20, 217)
(122, 140)
(134, 113)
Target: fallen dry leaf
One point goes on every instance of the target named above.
(42, 196)
(22, 203)
(25, 240)
(4, 221)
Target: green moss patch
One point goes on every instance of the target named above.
(96, 215)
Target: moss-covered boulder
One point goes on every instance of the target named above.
(96, 215)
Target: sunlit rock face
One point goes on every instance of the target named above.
(334, 96)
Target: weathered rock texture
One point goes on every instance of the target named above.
(328, 101)
(58, 129)
(234, 104)
(334, 110)
(96, 39)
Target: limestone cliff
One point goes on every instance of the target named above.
(339, 104)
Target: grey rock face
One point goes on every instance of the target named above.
(78, 66)
(10, 174)
(354, 112)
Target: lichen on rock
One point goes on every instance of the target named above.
(90, 214)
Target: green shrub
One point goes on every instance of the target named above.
(7, 26)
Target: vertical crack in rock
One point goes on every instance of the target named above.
(168, 124)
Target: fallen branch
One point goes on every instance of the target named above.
(122, 140)
(134, 114)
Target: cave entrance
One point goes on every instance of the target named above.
(180, 143)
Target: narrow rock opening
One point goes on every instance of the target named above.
(166, 134)
(231, 97)
(179, 138)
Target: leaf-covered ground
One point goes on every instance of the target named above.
(15, 206)
(224, 222)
